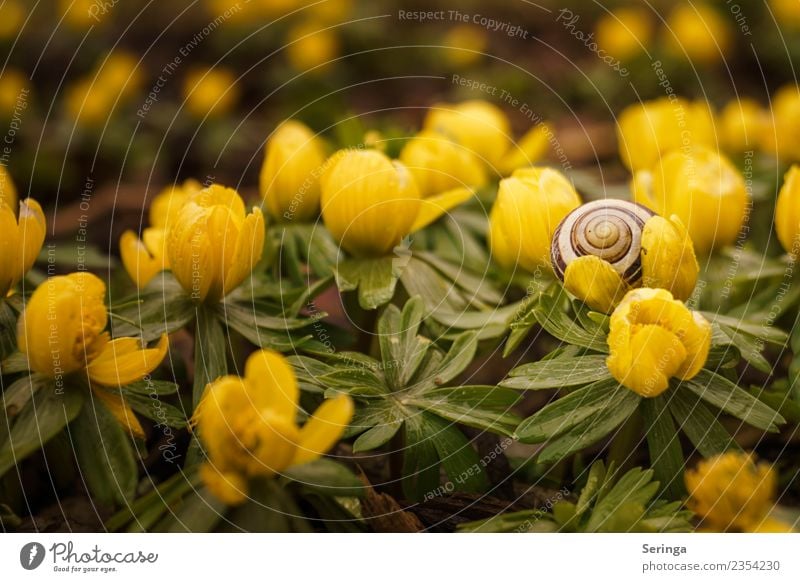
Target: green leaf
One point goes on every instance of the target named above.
(556, 322)
(557, 373)
(8, 330)
(402, 350)
(254, 322)
(163, 307)
(663, 443)
(376, 436)
(210, 346)
(572, 410)
(455, 361)
(14, 363)
(150, 406)
(725, 395)
(19, 393)
(479, 292)
(47, 412)
(698, 423)
(420, 457)
(459, 460)
(375, 279)
(633, 491)
(768, 333)
(326, 477)
(195, 513)
(104, 454)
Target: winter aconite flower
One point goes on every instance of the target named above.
(781, 135)
(787, 212)
(213, 244)
(483, 129)
(648, 130)
(703, 188)
(144, 258)
(249, 428)
(624, 33)
(21, 239)
(290, 174)
(529, 206)
(699, 32)
(62, 331)
(742, 124)
(653, 338)
(210, 92)
(465, 44)
(731, 492)
(607, 247)
(312, 46)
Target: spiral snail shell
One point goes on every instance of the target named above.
(608, 229)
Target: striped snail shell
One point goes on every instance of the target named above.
(608, 229)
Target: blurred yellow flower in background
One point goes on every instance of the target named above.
(14, 90)
(625, 32)
(465, 44)
(699, 32)
(703, 188)
(787, 212)
(92, 99)
(81, 14)
(731, 492)
(12, 16)
(21, 238)
(249, 428)
(647, 130)
(786, 12)
(653, 338)
(529, 206)
(210, 92)
(144, 258)
(312, 47)
(742, 125)
(484, 129)
(780, 138)
(290, 174)
(62, 331)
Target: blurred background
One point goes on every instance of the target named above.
(114, 99)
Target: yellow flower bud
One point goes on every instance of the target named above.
(119, 73)
(439, 164)
(14, 91)
(312, 47)
(742, 124)
(646, 131)
(625, 32)
(210, 92)
(368, 203)
(787, 12)
(787, 212)
(731, 492)
(653, 338)
(290, 174)
(21, 240)
(465, 45)
(213, 244)
(88, 104)
(780, 137)
(249, 429)
(604, 248)
(698, 32)
(144, 259)
(12, 17)
(703, 189)
(8, 191)
(529, 206)
(81, 14)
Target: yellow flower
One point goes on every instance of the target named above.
(210, 92)
(529, 206)
(14, 91)
(312, 47)
(625, 32)
(12, 17)
(787, 12)
(703, 189)
(699, 32)
(645, 131)
(607, 247)
(213, 244)
(144, 258)
(20, 239)
(249, 429)
(731, 492)
(87, 103)
(81, 14)
(653, 338)
(742, 125)
(787, 212)
(8, 191)
(369, 203)
(484, 130)
(465, 45)
(92, 100)
(290, 174)
(780, 136)
(439, 164)
(62, 332)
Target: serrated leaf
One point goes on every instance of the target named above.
(402, 350)
(558, 373)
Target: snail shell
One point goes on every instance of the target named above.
(608, 229)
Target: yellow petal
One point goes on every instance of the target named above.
(9, 243)
(697, 339)
(124, 361)
(248, 250)
(140, 265)
(787, 212)
(433, 207)
(32, 228)
(122, 412)
(324, 429)
(655, 355)
(269, 373)
(529, 149)
(595, 282)
(229, 487)
(668, 259)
